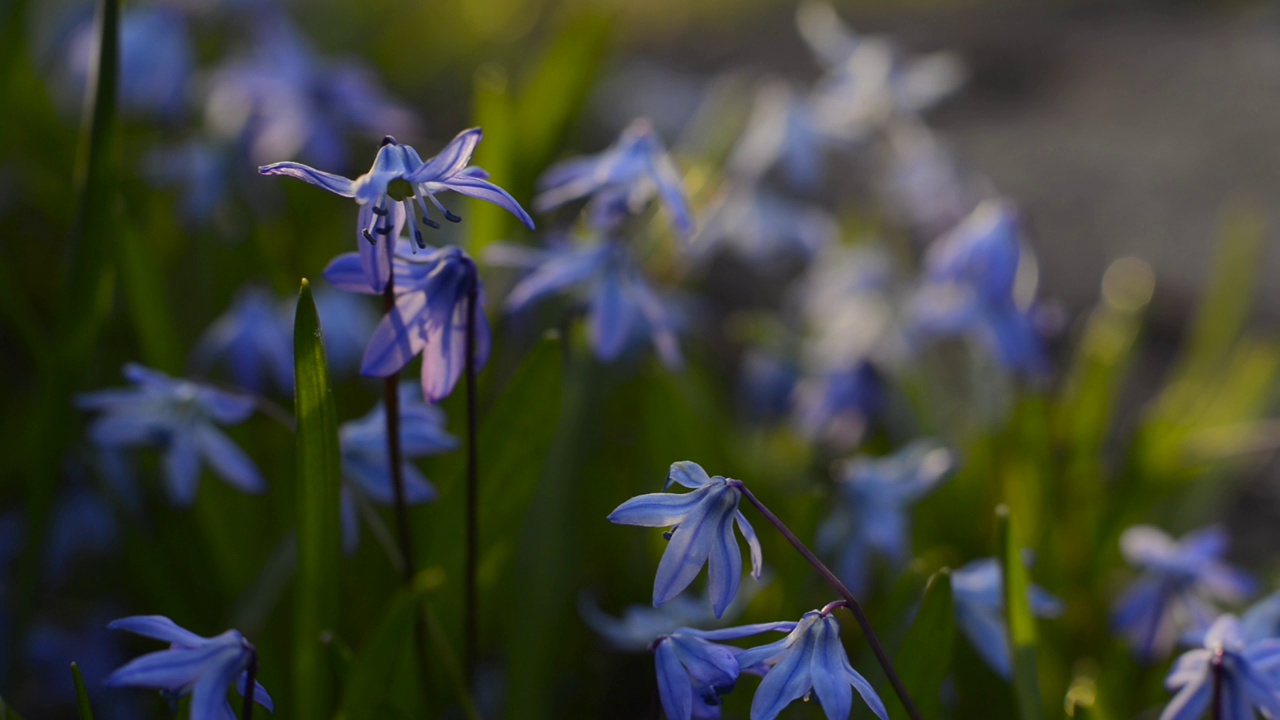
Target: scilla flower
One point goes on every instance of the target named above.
(811, 659)
(978, 590)
(250, 340)
(694, 671)
(1236, 674)
(398, 180)
(201, 667)
(701, 525)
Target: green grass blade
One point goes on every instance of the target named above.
(82, 695)
(1022, 625)
(925, 656)
(7, 713)
(316, 605)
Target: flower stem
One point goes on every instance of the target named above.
(473, 493)
(1216, 664)
(850, 601)
(250, 683)
(391, 404)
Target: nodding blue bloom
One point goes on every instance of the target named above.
(810, 659)
(180, 417)
(156, 60)
(431, 318)
(1237, 673)
(701, 533)
(764, 227)
(622, 307)
(1180, 581)
(870, 515)
(251, 341)
(1262, 619)
(978, 591)
(387, 193)
(694, 671)
(838, 405)
(199, 666)
(365, 468)
(968, 288)
(621, 181)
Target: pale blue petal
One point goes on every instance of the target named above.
(229, 461)
(657, 509)
(1190, 702)
(687, 551)
(346, 272)
(558, 273)
(124, 430)
(376, 257)
(173, 670)
(481, 189)
(788, 681)
(182, 469)
(752, 658)
(226, 408)
(333, 183)
(674, 688)
(708, 663)
(451, 160)
(1264, 654)
(987, 635)
(612, 316)
(157, 627)
(868, 693)
(209, 696)
(260, 694)
(753, 544)
(724, 564)
(741, 631)
(397, 339)
(687, 473)
(826, 668)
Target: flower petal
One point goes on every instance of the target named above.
(333, 183)
(687, 551)
(742, 631)
(674, 688)
(687, 473)
(724, 564)
(481, 189)
(1190, 702)
(826, 668)
(228, 460)
(157, 627)
(346, 272)
(987, 635)
(788, 681)
(174, 670)
(260, 694)
(209, 696)
(753, 543)
(397, 338)
(452, 159)
(558, 273)
(657, 509)
(613, 315)
(182, 469)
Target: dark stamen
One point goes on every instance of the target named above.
(368, 237)
(417, 237)
(430, 223)
(388, 140)
(451, 217)
(382, 230)
(380, 211)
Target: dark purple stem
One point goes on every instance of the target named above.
(1217, 684)
(473, 493)
(250, 683)
(850, 601)
(391, 403)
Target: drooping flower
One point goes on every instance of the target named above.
(1180, 583)
(810, 659)
(365, 469)
(1237, 674)
(639, 625)
(199, 666)
(969, 288)
(180, 417)
(694, 671)
(251, 341)
(430, 317)
(621, 305)
(155, 60)
(397, 180)
(870, 515)
(978, 592)
(701, 533)
(621, 181)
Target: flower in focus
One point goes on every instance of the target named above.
(978, 591)
(250, 339)
(870, 515)
(969, 288)
(199, 666)
(694, 671)
(397, 180)
(180, 417)
(365, 468)
(1175, 594)
(1237, 674)
(430, 317)
(621, 181)
(810, 659)
(155, 62)
(621, 305)
(701, 533)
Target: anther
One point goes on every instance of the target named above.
(417, 236)
(368, 237)
(380, 211)
(382, 230)
(388, 140)
(430, 223)
(666, 535)
(451, 217)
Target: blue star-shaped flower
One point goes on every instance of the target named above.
(810, 659)
(1237, 674)
(701, 525)
(250, 339)
(181, 418)
(620, 181)
(978, 591)
(1181, 580)
(870, 515)
(694, 671)
(398, 179)
(199, 666)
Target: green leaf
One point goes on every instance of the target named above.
(316, 604)
(498, 153)
(82, 695)
(142, 283)
(369, 691)
(925, 656)
(1022, 625)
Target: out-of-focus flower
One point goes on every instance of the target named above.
(640, 625)
(701, 533)
(621, 305)
(978, 591)
(1231, 671)
(786, 130)
(764, 227)
(51, 647)
(838, 405)
(387, 192)
(82, 524)
(810, 659)
(180, 417)
(694, 671)
(251, 341)
(766, 383)
(347, 322)
(199, 666)
(431, 319)
(923, 183)
(199, 168)
(1180, 581)
(870, 516)
(968, 288)
(364, 457)
(621, 181)
(156, 60)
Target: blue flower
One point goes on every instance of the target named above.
(156, 60)
(387, 192)
(251, 340)
(82, 524)
(347, 322)
(969, 288)
(765, 384)
(870, 516)
(199, 666)
(978, 591)
(622, 306)
(694, 671)
(1180, 580)
(50, 650)
(764, 227)
(701, 525)
(621, 181)
(365, 469)
(810, 659)
(838, 405)
(786, 130)
(180, 417)
(1237, 674)
(430, 317)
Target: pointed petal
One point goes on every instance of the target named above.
(182, 469)
(724, 564)
(657, 509)
(228, 460)
(827, 669)
(558, 273)
(687, 551)
(173, 670)
(397, 338)
(209, 696)
(674, 689)
(376, 257)
(867, 692)
(687, 473)
(987, 635)
(612, 316)
(157, 627)
(260, 694)
(742, 631)
(753, 543)
(333, 183)
(1190, 702)
(451, 160)
(481, 189)
(788, 681)
(346, 272)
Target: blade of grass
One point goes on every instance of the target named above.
(82, 695)
(1022, 625)
(924, 659)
